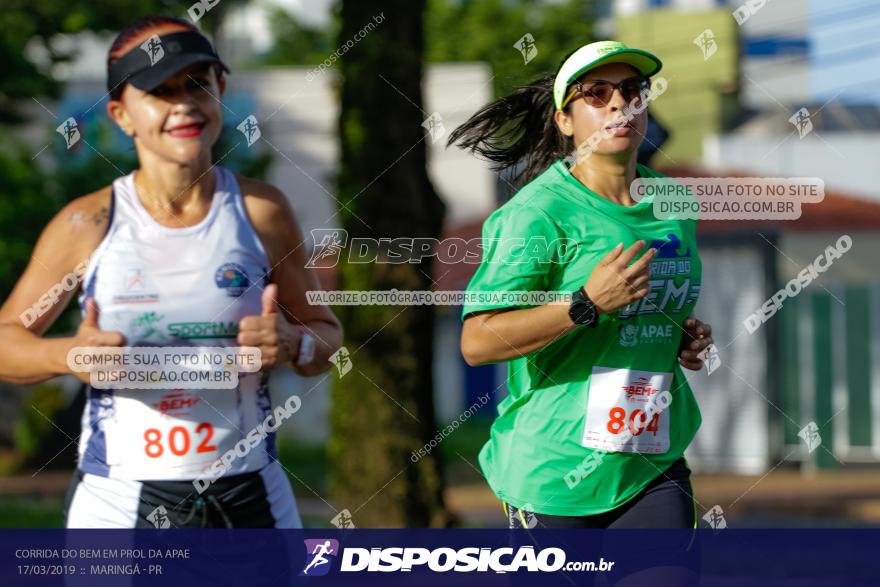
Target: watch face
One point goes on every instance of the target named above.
(582, 312)
(589, 313)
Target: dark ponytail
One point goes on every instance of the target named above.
(517, 132)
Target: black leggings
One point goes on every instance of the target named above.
(667, 502)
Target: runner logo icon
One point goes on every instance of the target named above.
(319, 554)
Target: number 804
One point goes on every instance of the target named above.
(637, 421)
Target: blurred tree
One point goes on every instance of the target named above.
(490, 31)
(465, 30)
(382, 410)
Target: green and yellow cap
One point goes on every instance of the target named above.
(596, 54)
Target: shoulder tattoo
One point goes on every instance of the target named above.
(96, 218)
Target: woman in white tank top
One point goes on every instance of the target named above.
(179, 253)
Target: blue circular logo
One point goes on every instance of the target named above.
(233, 278)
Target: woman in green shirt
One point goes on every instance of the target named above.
(599, 412)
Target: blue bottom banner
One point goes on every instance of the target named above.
(274, 558)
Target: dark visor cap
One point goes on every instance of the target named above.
(160, 57)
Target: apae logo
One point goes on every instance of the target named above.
(634, 334)
(629, 335)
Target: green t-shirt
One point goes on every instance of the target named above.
(557, 447)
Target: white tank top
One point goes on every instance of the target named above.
(164, 286)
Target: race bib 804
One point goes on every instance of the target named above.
(623, 411)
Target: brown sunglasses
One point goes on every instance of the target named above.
(597, 93)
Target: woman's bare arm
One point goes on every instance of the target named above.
(39, 298)
(502, 335)
(279, 231)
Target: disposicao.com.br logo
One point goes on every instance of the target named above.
(441, 560)
(318, 553)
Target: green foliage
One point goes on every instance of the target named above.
(27, 512)
(21, 78)
(42, 403)
(487, 30)
(296, 43)
(464, 30)
(307, 461)
(27, 201)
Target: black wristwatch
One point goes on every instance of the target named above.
(582, 310)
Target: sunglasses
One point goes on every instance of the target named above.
(597, 93)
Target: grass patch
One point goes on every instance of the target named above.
(305, 464)
(32, 512)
